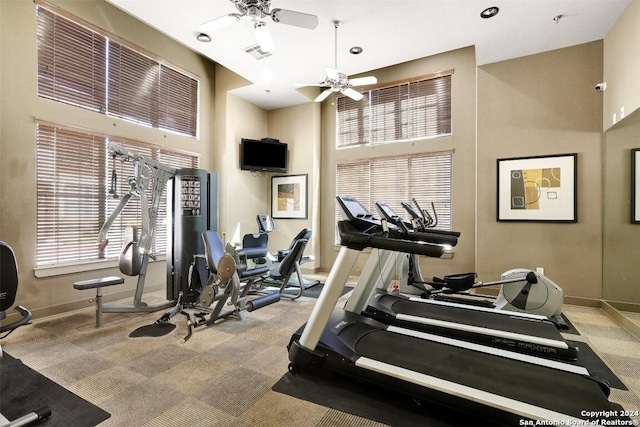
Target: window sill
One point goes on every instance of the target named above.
(62, 269)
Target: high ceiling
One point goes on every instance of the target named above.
(389, 32)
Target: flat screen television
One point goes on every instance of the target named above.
(265, 155)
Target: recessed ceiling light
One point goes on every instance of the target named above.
(204, 38)
(356, 50)
(489, 12)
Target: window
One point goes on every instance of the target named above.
(86, 67)
(74, 171)
(406, 111)
(425, 177)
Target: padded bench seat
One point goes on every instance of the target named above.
(253, 272)
(251, 253)
(98, 283)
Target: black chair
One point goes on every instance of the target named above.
(305, 233)
(8, 291)
(279, 277)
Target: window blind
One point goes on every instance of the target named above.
(71, 62)
(90, 68)
(392, 180)
(405, 111)
(74, 171)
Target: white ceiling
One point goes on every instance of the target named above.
(389, 31)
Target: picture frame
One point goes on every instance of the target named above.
(539, 189)
(635, 185)
(289, 197)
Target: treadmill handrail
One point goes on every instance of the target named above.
(358, 240)
(441, 237)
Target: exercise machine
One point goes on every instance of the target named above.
(522, 332)
(222, 289)
(8, 291)
(265, 226)
(520, 289)
(134, 258)
(280, 271)
(499, 385)
(191, 196)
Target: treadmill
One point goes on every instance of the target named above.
(500, 385)
(516, 331)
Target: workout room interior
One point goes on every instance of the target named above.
(523, 110)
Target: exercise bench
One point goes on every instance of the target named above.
(98, 284)
(129, 264)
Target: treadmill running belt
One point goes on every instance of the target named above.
(479, 318)
(536, 385)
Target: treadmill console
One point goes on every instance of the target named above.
(354, 212)
(361, 229)
(265, 223)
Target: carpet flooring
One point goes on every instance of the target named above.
(228, 374)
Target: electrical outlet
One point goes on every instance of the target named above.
(540, 270)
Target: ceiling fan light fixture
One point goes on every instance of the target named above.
(204, 38)
(263, 35)
(489, 12)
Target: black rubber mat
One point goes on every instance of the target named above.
(23, 390)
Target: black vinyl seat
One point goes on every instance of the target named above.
(305, 233)
(252, 257)
(8, 292)
(290, 264)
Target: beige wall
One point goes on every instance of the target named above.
(20, 106)
(543, 104)
(244, 194)
(299, 126)
(540, 105)
(462, 142)
(622, 66)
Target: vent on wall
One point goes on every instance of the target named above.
(256, 52)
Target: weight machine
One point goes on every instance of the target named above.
(191, 209)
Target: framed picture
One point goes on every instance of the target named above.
(541, 188)
(289, 197)
(635, 185)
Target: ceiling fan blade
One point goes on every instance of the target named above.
(309, 84)
(323, 95)
(291, 17)
(352, 93)
(263, 35)
(221, 22)
(332, 74)
(363, 81)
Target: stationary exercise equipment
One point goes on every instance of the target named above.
(191, 196)
(522, 332)
(521, 290)
(8, 291)
(192, 208)
(280, 271)
(265, 226)
(499, 385)
(222, 289)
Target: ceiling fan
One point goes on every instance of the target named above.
(336, 81)
(255, 11)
